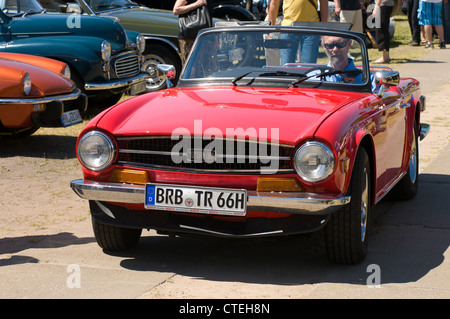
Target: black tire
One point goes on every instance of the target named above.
(115, 238)
(346, 231)
(408, 186)
(158, 54)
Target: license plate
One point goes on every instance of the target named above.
(138, 88)
(71, 118)
(189, 199)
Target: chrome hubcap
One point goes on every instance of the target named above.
(149, 66)
(412, 167)
(364, 205)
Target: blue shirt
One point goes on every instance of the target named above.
(358, 79)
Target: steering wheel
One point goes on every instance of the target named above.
(322, 69)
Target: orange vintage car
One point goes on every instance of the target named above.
(36, 92)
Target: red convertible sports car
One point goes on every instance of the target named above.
(36, 92)
(259, 138)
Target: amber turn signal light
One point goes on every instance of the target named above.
(271, 184)
(129, 176)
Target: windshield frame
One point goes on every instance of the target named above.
(36, 3)
(89, 9)
(366, 86)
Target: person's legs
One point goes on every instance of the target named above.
(382, 34)
(289, 55)
(310, 48)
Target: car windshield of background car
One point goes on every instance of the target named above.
(105, 5)
(17, 7)
(278, 55)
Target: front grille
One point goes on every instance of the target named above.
(127, 66)
(205, 155)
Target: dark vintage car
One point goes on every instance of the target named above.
(104, 59)
(220, 9)
(255, 141)
(36, 92)
(159, 28)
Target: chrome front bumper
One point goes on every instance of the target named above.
(42, 100)
(117, 84)
(286, 202)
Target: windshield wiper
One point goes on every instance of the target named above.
(265, 73)
(349, 72)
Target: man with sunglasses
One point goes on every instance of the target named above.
(337, 48)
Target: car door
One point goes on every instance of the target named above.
(393, 112)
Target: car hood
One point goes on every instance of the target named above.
(286, 114)
(147, 21)
(56, 24)
(44, 82)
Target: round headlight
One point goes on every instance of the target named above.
(140, 42)
(314, 162)
(106, 50)
(67, 73)
(96, 151)
(27, 84)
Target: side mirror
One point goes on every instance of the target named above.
(166, 71)
(386, 78)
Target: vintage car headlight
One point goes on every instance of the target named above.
(67, 73)
(27, 84)
(314, 162)
(106, 50)
(96, 151)
(140, 43)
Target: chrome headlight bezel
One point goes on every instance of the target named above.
(67, 72)
(27, 84)
(96, 151)
(140, 43)
(105, 50)
(314, 161)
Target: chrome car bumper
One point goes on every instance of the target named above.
(117, 84)
(286, 202)
(42, 100)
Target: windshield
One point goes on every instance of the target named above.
(105, 5)
(19, 7)
(255, 55)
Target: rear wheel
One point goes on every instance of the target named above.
(346, 231)
(408, 186)
(115, 238)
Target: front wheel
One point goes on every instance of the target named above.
(114, 238)
(346, 231)
(159, 54)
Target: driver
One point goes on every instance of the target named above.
(337, 48)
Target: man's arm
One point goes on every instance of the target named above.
(337, 7)
(273, 11)
(323, 10)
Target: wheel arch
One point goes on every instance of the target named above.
(365, 141)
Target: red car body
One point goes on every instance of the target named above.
(386, 125)
(50, 94)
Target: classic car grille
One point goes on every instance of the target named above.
(127, 66)
(204, 155)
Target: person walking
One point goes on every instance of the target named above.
(412, 6)
(182, 7)
(382, 11)
(299, 10)
(350, 11)
(429, 15)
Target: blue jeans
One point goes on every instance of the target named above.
(309, 48)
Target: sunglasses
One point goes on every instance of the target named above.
(338, 45)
